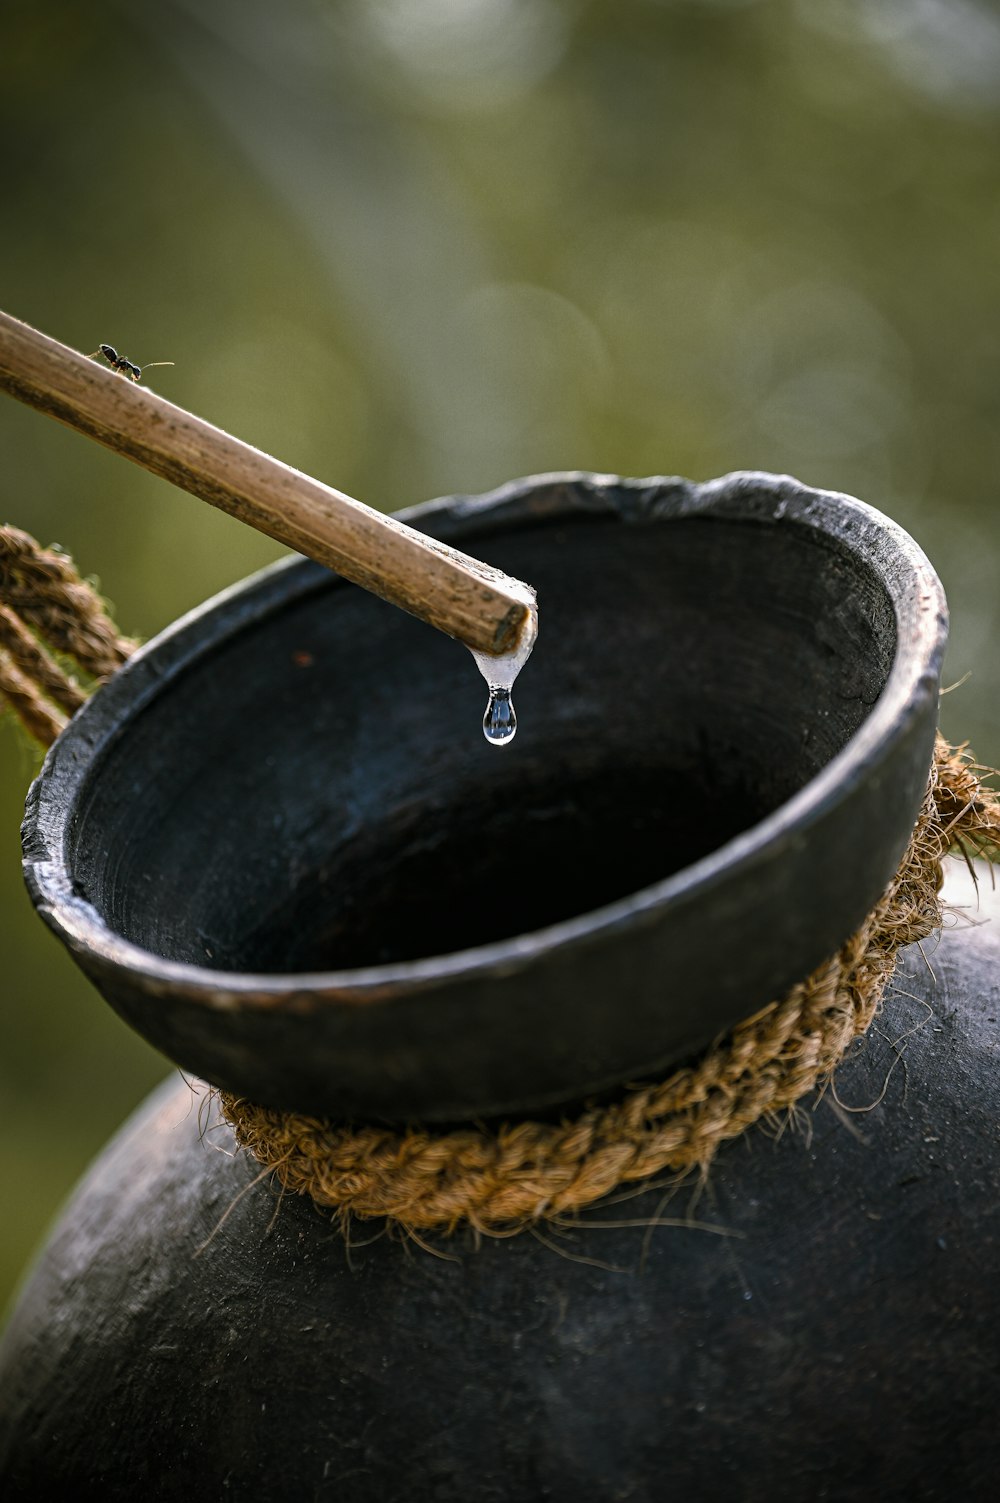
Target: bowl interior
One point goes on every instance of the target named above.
(314, 792)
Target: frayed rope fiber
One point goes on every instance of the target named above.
(527, 1172)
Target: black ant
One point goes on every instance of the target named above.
(121, 365)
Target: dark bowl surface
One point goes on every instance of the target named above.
(281, 847)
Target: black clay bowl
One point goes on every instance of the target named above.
(280, 846)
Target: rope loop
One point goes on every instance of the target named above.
(504, 1179)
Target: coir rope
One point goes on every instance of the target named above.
(525, 1172)
(54, 631)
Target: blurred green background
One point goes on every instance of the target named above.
(422, 246)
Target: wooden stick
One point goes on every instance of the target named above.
(459, 595)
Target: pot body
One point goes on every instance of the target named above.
(834, 1337)
(280, 847)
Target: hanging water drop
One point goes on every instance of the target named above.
(499, 722)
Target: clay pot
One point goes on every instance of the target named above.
(281, 848)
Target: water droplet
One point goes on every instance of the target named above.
(499, 722)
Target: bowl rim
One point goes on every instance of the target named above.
(899, 563)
